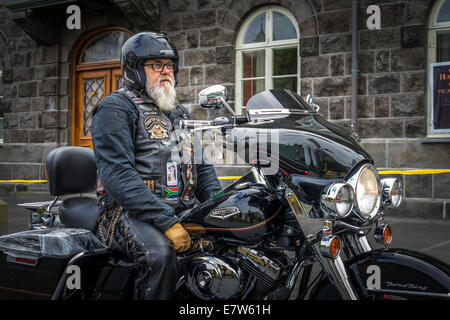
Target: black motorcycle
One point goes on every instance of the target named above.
(311, 198)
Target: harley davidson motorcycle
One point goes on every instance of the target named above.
(266, 230)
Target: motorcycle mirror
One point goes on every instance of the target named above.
(310, 100)
(210, 98)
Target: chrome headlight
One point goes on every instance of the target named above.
(392, 192)
(338, 199)
(367, 186)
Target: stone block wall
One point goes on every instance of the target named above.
(32, 117)
(37, 89)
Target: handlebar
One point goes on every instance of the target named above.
(220, 121)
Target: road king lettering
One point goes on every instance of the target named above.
(74, 280)
(374, 281)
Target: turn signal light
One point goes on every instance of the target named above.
(330, 246)
(383, 234)
(387, 234)
(335, 247)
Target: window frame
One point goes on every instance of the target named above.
(433, 28)
(268, 46)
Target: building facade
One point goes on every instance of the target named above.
(55, 68)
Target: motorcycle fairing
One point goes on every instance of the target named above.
(400, 272)
(308, 143)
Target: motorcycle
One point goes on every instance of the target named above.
(316, 207)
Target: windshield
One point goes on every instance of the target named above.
(304, 139)
(278, 99)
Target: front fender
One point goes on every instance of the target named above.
(399, 272)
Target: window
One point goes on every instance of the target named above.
(266, 54)
(439, 70)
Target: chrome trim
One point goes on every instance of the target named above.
(325, 244)
(413, 293)
(259, 177)
(331, 197)
(261, 262)
(309, 226)
(210, 277)
(353, 181)
(259, 112)
(223, 213)
(387, 185)
(363, 243)
(379, 233)
(339, 223)
(336, 272)
(292, 278)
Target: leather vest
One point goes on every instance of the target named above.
(163, 156)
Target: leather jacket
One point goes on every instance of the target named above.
(132, 141)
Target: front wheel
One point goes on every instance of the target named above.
(325, 290)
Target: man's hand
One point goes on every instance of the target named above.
(179, 238)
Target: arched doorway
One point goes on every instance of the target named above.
(96, 73)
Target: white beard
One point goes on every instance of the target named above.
(165, 97)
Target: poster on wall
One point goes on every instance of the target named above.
(440, 96)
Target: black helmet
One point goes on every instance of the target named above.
(140, 47)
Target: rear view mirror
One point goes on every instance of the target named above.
(210, 98)
(310, 100)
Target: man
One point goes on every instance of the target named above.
(144, 187)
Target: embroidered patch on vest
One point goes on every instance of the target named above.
(156, 127)
(171, 193)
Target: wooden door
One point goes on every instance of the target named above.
(92, 87)
(96, 73)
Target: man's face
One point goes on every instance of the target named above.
(154, 76)
(161, 83)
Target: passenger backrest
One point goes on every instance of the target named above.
(71, 170)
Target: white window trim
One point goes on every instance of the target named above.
(268, 46)
(433, 28)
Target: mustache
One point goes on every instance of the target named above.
(162, 78)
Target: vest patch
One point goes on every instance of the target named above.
(171, 193)
(156, 128)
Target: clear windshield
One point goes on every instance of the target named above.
(278, 99)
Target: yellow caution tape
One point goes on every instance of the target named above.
(229, 178)
(408, 172)
(25, 181)
(426, 171)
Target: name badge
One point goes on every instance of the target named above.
(171, 174)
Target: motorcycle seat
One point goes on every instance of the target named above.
(79, 212)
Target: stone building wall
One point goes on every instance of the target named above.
(392, 108)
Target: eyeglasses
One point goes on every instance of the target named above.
(158, 67)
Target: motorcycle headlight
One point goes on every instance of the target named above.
(367, 186)
(338, 199)
(392, 192)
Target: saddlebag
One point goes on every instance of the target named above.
(32, 262)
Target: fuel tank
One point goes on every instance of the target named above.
(247, 214)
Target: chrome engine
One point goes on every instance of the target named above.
(210, 277)
(248, 273)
